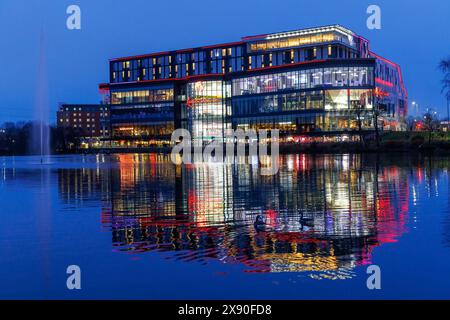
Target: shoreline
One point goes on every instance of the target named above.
(442, 149)
(391, 142)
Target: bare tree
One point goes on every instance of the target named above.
(431, 123)
(376, 116)
(358, 109)
(377, 112)
(410, 123)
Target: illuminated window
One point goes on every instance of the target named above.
(336, 99)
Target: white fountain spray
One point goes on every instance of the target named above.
(40, 141)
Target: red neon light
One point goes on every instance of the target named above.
(190, 102)
(398, 70)
(212, 75)
(362, 38)
(384, 82)
(103, 88)
(140, 56)
(380, 93)
(216, 75)
(221, 45)
(287, 65)
(384, 59)
(185, 50)
(254, 37)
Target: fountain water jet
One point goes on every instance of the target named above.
(40, 136)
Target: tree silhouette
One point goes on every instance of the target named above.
(444, 66)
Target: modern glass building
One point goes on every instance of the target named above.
(318, 83)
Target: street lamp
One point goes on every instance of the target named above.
(415, 108)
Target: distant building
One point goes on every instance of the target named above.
(445, 125)
(85, 120)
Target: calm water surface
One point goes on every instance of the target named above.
(140, 227)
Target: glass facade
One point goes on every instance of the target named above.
(132, 134)
(295, 41)
(207, 110)
(287, 124)
(304, 79)
(156, 129)
(332, 42)
(278, 103)
(314, 81)
(142, 112)
(139, 96)
(142, 116)
(292, 102)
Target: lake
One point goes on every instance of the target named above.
(140, 227)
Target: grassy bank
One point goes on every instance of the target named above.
(389, 142)
(416, 141)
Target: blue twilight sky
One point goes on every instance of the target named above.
(415, 34)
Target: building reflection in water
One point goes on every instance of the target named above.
(322, 213)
